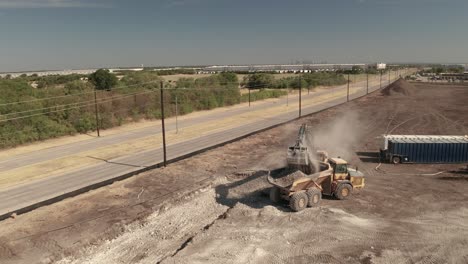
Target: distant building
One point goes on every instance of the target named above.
(47, 73)
(285, 68)
(126, 69)
(63, 72)
(381, 66)
(454, 76)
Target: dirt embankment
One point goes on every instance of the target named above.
(202, 210)
(400, 87)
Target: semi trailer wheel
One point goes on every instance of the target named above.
(396, 160)
(314, 196)
(343, 191)
(298, 201)
(275, 194)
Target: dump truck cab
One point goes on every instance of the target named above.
(340, 168)
(343, 180)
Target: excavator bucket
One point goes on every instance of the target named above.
(299, 155)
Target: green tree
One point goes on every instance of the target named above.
(142, 79)
(259, 80)
(76, 87)
(456, 69)
(228, 79)
(438, 70)
(185, 83)
(224, 79)
(356, 70)
(103, 79)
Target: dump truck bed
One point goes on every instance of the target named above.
(285, 178)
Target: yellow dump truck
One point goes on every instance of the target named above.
(333, 178)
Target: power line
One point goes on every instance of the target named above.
(77, 94)
(3, 134)
(84, 104)
(90, 103)
(68, 95)
(83, 93)
(146, 104)
(71, 104)
(55, 111)
(39, 109)
(118, 88)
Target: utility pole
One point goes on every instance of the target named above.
(300, 96)
(176, 116)
(96, 113)
(355, 81)
(287, 96)
(249, 96)
(367, 77)
(347, 94)
(388, 76)
(380, 79)
(162, 123)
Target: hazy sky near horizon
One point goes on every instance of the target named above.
(70, 34)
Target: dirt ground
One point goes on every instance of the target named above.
(214, 207)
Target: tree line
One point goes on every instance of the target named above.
(306, 80)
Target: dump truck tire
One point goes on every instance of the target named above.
(343, 191)
(314, 196)
(275, 194)
(298, 201)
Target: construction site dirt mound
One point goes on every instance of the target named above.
(400, 87)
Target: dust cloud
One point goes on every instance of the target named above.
(336, 137)
(276, 157)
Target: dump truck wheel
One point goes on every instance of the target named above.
(314, 196)
(343, 191)
(298, 201)
(396, 160)
(275, 194)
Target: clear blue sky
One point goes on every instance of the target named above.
(64, 34)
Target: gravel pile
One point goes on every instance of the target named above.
(288, 179)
